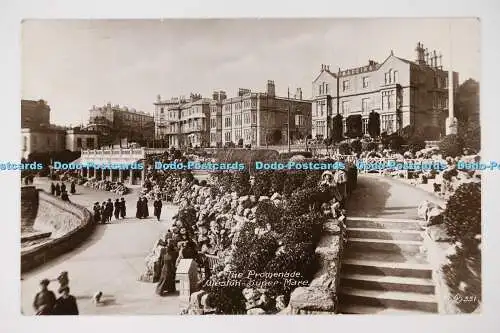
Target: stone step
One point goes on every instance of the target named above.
(382, 223)
(386, 268)
(386, 245)
(376, 233)
(389, 299)
(389, 283)
(366, 309)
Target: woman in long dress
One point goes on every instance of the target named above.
(167, 277)
(138, 212)
(145, 207)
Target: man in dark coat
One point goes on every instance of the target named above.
(44, 300)
(109, 209)
(63, 187)
(123, 209)
(66, 304)
(118, 206)
(58, 189)
(157, 208)
(72, 187)
(52, 189)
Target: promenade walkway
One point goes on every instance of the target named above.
(110, 261)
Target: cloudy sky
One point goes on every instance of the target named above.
(74, 64)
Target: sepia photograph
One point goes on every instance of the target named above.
(283, 166)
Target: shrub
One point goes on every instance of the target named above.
(472, 138)
(374, 124)
(395, 142)
(337, 128)
(416, 143)
(299, 257)
(354, 124)
(463, 214)
(240, 182)
(344, 148)
(267, 212)
(451, 145)
(356, 146)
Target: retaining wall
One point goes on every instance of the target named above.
(69, 223)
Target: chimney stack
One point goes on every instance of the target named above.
(271, 89)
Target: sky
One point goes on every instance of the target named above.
(75, 64)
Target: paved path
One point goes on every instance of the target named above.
(384, 197)
(110, 261)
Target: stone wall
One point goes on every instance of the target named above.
(29, 207)
(69, 223)
(320, 297)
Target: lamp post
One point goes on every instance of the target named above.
(451, 121)
(288, 129)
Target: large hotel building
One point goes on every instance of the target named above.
(254, 118)
(403, 92)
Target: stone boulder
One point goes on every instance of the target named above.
(332, 227)
(195, 307)
(434, 216)
(424, 208)
(305, 300)
(438, 233)
(256, 311)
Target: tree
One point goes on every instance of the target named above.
(467, 105)
(374, 124)
(472, 138)
(354, 126)
(337, 128)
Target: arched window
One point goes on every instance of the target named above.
(396, 76)
(390, 76)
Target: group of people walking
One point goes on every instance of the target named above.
(59, 190)
(45, 302)
(143, 209)
(105, 211)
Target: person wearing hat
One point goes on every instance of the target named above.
(66, 304)
(157, 204)
(123, 209)
(63, 280)
(44, 300)
(117, 209)
(97, 212)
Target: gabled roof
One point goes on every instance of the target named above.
(321, 72)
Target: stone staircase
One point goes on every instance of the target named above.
(383, 271)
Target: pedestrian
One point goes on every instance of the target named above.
(72, 187)
(123, 209)
(145, 207)
(58, 189)
(63, 280)
(52, 188)
(109, 210)
(97, 212)
(117, 209)
(167, 276)
(157, 208)
(138, 212)
(63, 187)
(44, 300)
(66, 304)
(104, 216)
(64, 196)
